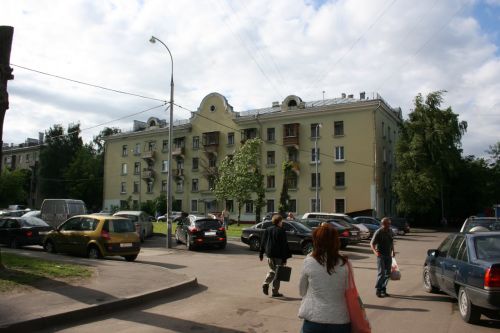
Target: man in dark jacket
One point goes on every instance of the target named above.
(275, 245)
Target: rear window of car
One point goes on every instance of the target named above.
(120, 226)
(300, 227)
(487, 246)
(342, 223)
(31, 221)
(133, 218)
(208, 223)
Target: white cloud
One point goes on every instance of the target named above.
(253, 52)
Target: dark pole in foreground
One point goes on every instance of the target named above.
(6, 34)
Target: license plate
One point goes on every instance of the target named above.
(126, 245)
(210, 233)
(43, 233)
(354, 233)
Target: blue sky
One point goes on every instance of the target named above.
(488, 16)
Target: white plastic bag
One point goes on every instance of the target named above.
(395, 272)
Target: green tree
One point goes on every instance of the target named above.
(494, 151)
(161, 204)
(13, 187)
(283, 206)
(239, 177)
(427, 154)
(261, 194)
(99, 139)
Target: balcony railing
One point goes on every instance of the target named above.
(178, 151)
(148, 155)
(148, 174)
(179, 173)
(295, 167)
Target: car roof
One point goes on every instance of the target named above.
(101, 217)
(130, 212)
(478, 234)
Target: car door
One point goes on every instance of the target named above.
(437, 262)
(63, 237)
(451, 266)
(291, 235)
(81, 238)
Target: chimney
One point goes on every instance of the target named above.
(362, 95)
(343, 95)
(350, 96)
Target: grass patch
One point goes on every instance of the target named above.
(234, 230)
(22, 271)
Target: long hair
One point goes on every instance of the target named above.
(326, 244)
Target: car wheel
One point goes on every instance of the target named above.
(131, 258)
(468, 311)
(307, 248)
(49, 247)
(427, 281)
(254, 244)
(189, 244)
(14, 244)
(94, 253)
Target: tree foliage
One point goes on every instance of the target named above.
(14, 187)
(284, 196)
(239, 175)
(428, 152)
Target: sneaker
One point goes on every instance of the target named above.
(277, 295)
(379, 294)
(265, 289)
(385, 294)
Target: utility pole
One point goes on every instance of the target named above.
(6, 34)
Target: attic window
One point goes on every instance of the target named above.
(292, 103)
(152, 123)
(212, 108)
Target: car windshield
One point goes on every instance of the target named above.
(341, 223)
(133, 218)
(300, 227)
(492, 224)
(487, 246)
(122, 226)
(208, 224)
(31, 221)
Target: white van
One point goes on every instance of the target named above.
(56, 211)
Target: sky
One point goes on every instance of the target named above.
(252, 52)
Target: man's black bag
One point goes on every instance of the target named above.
(283, 273)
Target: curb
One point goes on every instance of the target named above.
(97, 309)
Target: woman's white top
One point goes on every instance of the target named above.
(323, 295)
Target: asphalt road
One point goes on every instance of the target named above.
(229, 298)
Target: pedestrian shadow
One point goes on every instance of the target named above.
(354, 256)
(444, 299)
(358, 250)
(390, 308)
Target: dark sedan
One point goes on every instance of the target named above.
(467, 267)
(21, 231)
(401, 224)
(196, 231)
(372, 223)
(299, 236)
(348, 234)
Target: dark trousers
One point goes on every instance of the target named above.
(312, 327)
(271, 276)
(383, 272)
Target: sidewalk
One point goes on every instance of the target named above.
(115, 285)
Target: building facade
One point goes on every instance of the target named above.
(25, 156)
(355, 140)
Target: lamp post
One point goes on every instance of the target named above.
(316, 158)
(170, 132)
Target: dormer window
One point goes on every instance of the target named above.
(292, 103)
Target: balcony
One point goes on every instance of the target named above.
(148, 155)
(248, 133)
(210, 141)
(178, 152)
(148, 174)
(178, 173)
(210, 172)
(291, 135)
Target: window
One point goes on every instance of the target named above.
(124, 168)
(340, 179)
(389, 133)
(271, 181)
(315, 130)
(445, 246)
(151, 146)
(230, 138)
(196, 142)
(292, 181)
(150, 187)
(339, 153)
(180, 186)
(164, 184)
(314, 154)
(292, 205)
(315, 206)
(164, 145)
(291, 130)
(248, 133)
(137, 149)
(194, 185)
(164, 166)
(340, 206)
(462, 253)
(195, 163)
(124, 150)
(212, 162)
(136, 186)
(249, 207)
(270, 206)
(211, 184)
(230, 205)
(271, 157)
(137, 168)
(313, 180)
(177, 204)
(383, 129)
(271, 134)
(194, 205)
(338, 128)
(180, 164)
(455, 247)
(179, 143)
(27, 158)
(384, 155)
(293, 155)
(123, 187)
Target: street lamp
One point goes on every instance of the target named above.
(170, 130)
(316, 158)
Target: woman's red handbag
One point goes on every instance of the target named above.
(359, 321)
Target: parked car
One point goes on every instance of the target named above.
(17, 207)
(195, 231)
(467, 267)
(12, 213)
(347, 234)
(173, 217)
(142, 222)
(299, 236)
(33, 213)
(372, 223)
(95, 236)
(269, 216)
(491, 223)
(402, 225)
(364, 232)
(20, 231)
(56, 211)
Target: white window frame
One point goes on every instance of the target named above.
(340, 149)
(123, 187)
(124, 169)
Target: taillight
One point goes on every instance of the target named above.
(105, 235)
(492, 278)
(222, 229)
(29, 233)
(345, 233)
(193, 229)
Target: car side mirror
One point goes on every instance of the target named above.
(433, 253)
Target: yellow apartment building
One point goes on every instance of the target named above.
(355, 140)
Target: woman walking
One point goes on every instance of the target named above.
(323, 283)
